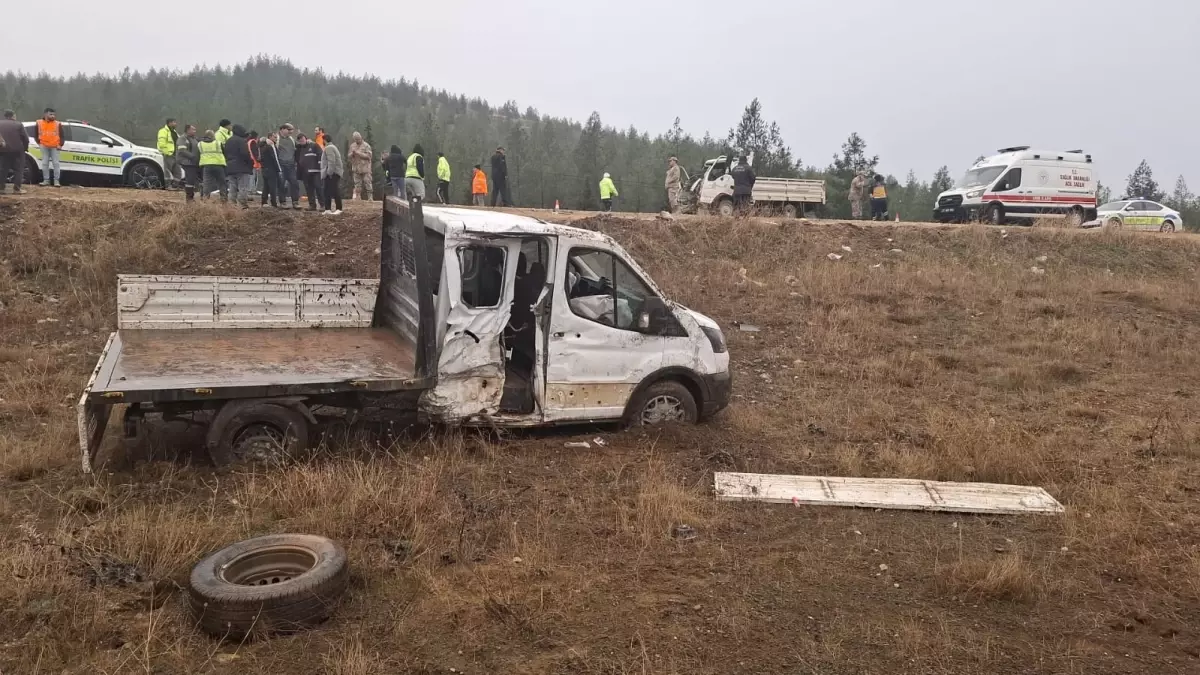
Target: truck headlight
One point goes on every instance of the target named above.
(716, 338)
(975, 194)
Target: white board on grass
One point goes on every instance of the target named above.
(885, 493)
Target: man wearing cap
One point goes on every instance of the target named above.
(674, 184)
(289, 182)
(14, 141)
(858, 188)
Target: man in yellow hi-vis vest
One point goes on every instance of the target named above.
(414, 176)
(443, 173)
(212, 166)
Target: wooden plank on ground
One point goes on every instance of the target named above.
(885, 493)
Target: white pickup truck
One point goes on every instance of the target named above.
(713, 189)
(478, 318)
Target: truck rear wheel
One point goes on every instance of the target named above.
(256, 431)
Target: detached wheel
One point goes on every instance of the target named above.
(280, 583)
(144, 176)
(725, 208)
(662, 403)
(1167, 226)
(256, 431)
(790, 211)
(1114, 223)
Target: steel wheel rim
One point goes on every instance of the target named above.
(260, 443)
(1114, 222)
(1167, 227)
(268, 567)
(663, 408)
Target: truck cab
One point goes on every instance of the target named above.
(1022, 184)
(478, 318)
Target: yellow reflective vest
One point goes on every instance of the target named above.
(443, 169)
(212, 153)
(412, 167)
(166, 145)
(607, 189)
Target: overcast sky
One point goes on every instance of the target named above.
(926, 83)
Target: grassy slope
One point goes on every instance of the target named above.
(949, 359)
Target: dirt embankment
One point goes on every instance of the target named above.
(927, 353)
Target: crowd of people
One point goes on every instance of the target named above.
(234, 164)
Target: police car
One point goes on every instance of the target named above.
(93, 155)
(1139, 214)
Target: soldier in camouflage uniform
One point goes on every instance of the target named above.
(360, 156)
(674, 184)
(858, 188)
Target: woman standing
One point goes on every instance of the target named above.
(332, 168)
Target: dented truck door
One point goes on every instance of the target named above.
(597, 353)
(478, 289)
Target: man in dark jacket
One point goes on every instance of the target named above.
(308, 164)
(239, 166)
(286, 146)
(395, 164)
(500, 179)
(272, 182)
(187, 155)
(743, 185)
(14, 141)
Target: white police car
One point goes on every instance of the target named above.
(93, 155)
(1139, 214)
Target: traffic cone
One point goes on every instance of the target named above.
(556, 206)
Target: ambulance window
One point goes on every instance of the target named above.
(1010, 181)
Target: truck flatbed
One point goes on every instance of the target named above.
(202, 363)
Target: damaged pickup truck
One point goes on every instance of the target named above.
(477, 318)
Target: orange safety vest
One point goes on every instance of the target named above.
(479, 183)
(252, 145)
(320, 140)
(49, 134)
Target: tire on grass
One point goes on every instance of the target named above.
(278, 583)
(663, 402)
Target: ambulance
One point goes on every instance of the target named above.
(1021, 185)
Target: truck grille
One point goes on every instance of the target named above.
(951, 200)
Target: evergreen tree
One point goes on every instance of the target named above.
(753, 134)
(839, 174)
(1103, 193)
(941, 181)
(1142, 184)
(587, 165)
(1182, 197)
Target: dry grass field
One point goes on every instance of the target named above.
(923, 352)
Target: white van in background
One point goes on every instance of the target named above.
(1021, 184)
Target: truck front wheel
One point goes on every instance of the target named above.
(725, 207)
(256, 431)
(662, 403)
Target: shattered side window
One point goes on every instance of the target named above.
(482, 275)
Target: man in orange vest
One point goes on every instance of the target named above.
(319, 137)
(50, 140)
(479, 187)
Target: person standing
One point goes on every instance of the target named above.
(879, 205)
(674, 184)
(608, 191)
(319, 137)
(268, 159)
(858, 188)
(331, 173)
(414, 175)
(168, 139)
(443, 175)
(397, 165)
(212, 166)
(224, 131)
(362, 161)
(479, 187)
(308, 164)
(286, 147)
(238, 166)
(500, 178)
(256, 175)
(14, 141)
(50, 141)
(743, 185)
(187, 154)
